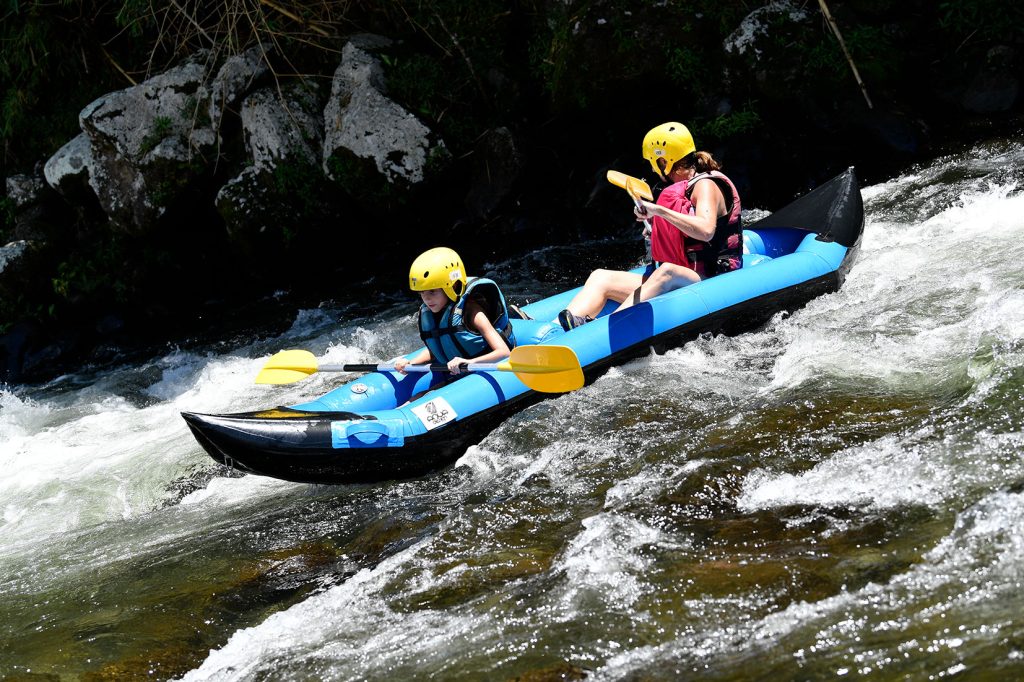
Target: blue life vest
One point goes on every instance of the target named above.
(446, 335)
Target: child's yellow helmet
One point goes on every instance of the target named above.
(670, 141)
(438, 268)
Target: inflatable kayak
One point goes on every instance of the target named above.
(383, 425)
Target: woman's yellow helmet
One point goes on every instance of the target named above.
(669, 141)
(438, 268)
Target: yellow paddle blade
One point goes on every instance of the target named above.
(287, 367)
(636, 187)
(548, 369)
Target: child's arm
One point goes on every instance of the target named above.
(420, 358)
(477, 321)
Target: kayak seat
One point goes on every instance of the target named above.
(532, 332)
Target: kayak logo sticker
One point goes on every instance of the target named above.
(434, 413)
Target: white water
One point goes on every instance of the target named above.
(561, 536)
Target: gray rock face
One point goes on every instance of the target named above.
(67, 171)
(756, 27)
(11, 253)
(19, 266)
(279, 129)
(24, 190)
(361, 119)
(283, 136)
(143, 146)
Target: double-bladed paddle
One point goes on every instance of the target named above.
(548, 369)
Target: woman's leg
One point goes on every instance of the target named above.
(601, 286)
(667, 277)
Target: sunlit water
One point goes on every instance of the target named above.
(838, 494)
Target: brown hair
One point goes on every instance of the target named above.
(703, 162)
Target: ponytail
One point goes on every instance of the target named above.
(705, 163)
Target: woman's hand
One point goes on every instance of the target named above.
(454, 365)
(644, 210)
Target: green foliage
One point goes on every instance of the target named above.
(878, 59)
(300, 185)
(422, 84)
(88, 272)
(54, 59)
(20, 307)
(730, 125)
(437, 158)
(196, 112)
(982, 20)
(442, 73)
(360, 179)
(681, 63)
(162, 126)
(551, 58)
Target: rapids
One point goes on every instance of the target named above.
(839, 493)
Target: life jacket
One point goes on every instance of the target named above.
(446, 335)
(725, 250)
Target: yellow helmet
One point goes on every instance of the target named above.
(670, 141)
(438, 268)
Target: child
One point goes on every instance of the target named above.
(461, 320)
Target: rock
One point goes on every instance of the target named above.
(20, 269)
(13, 346)
(147, 144)
(285, 129)
(759, 26)
(360, 119)
(234, 79)
(12, 253)
(24, 190)
(283, 184)
(67, 171)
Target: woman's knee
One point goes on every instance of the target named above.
(660, 278)
(600, 278)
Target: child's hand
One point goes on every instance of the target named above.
(400, 365)
(454, 365)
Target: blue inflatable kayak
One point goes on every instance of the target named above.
(384, 426)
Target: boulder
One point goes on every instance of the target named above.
(146, 145)
(68, 171)
(361, 121)
(282, 183)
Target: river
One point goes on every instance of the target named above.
(840, 493)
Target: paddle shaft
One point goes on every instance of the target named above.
(478, 367)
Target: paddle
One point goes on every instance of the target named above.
(637, 189)
(548, 369)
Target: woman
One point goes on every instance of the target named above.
(696, 229)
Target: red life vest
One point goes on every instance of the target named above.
(725, 250)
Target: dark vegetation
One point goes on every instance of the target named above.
(576, 83)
